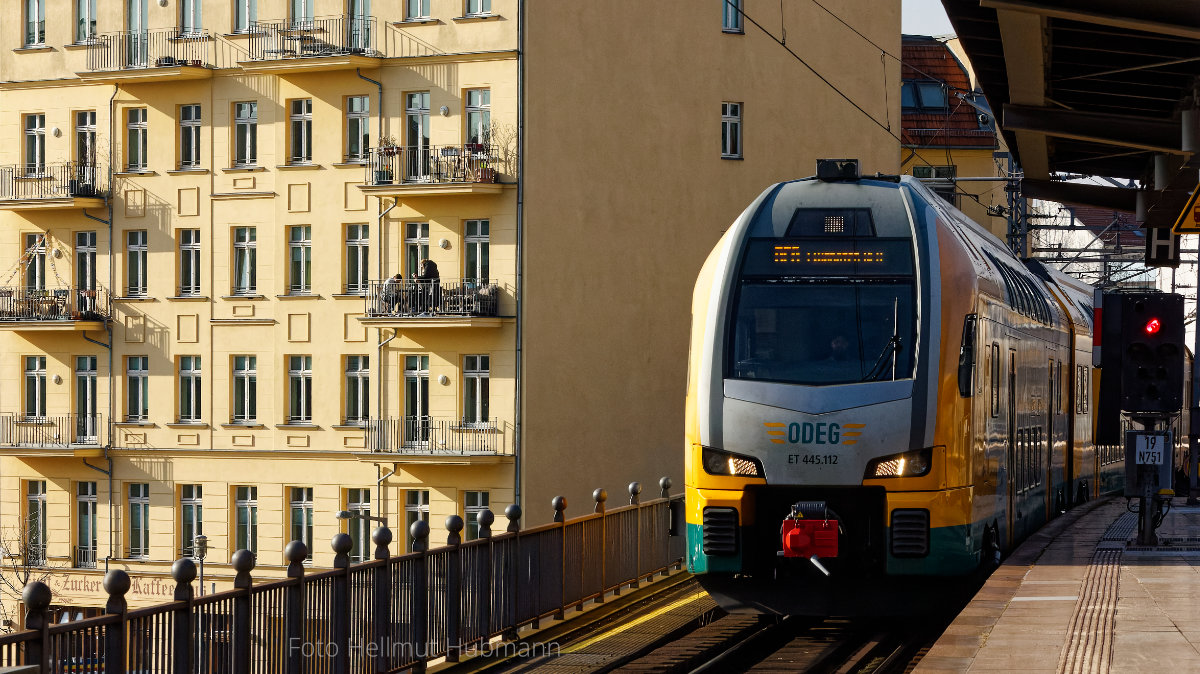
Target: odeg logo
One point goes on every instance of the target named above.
(813, 433)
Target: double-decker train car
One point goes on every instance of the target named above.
(880, 395)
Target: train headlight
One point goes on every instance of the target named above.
(720, 462)
(909, 464)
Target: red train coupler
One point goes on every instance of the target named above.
(810, 531)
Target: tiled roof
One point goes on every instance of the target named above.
(924, 58)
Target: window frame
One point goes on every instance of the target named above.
(300, 129)
(86, 511)
(478, 115)
(481, 8)
(137, 383)
(358, 390)
(245, 501)
(245, 379)
(477, 250)
(300, 260)
(34, 393)
(191, 517)
(34, 148)
(85, 21)
(139, 545)
(247, 9)
(299, 375)
(471, 511)
(416, 240)
(191, 389)
(416, 507)
(358, 251)
(245, 134)
(34, 268)
(731, 17)
(137, 256)
(476, 390)
(300, 500)
(137, 146)
(358, 501)
(193, 25)
(190, 121)
(189, 263)
(358, 128)
(36, 523)
(35, 27)
(731, 130)
(416, 10)
(245, 261)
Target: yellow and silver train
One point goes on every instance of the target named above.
(880, 395)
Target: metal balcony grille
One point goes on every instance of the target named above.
(59, 180)
(321, 36)
(59, 431)
(150, 49)
(19, 303)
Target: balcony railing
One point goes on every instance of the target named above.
(437, 164)
(51, 181)
(410, 298)
(35, 554)
(18, 303)
(60, 431)
(322, 36)
(85, 556)
(429, 435)
(166, 48)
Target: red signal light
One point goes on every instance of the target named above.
(1153, 326)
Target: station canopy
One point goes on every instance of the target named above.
(1092, 87)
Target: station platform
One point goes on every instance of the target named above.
(1082, 596)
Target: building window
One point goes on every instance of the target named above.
(301, 517)
(479, 7)
(301, 127)
(189, 263)
(923, 95)
(416, 246)
(477, 255)
(245, 506)
(731, 16)
(245, 281)
(479, 115)
(416, 507)
(85, 20)
(135, 257)
(475, 389)
(299, 389)
(35, 387)
(939, 179)
(35, 522)
(137, 380)
(189, 389)
(416, 117)
(415, 10)
(358, 246)
(191, 517)
(35, 144)
(35, 22)
(358, 502)
(731, 130)
(245, 12)
(474, 503)
(87, 422)
(245, 389)
(138, 145)
(302, 13)
(358, 389)
(416, 402)
(34, 262)
(358, 127)
(139, 521)
(85, 531)
(85, 260)
(245, 132)
(189, 19)
(189, 136)
(85, 139)
(300, 254)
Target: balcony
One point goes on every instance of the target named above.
(85, 556)
(433, 437)
(71, 184)
(62, 432)
(441, 303)
(72, 308)
(430, 171)
(149, 56)
(322, 44)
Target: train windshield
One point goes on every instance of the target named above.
(820, 314)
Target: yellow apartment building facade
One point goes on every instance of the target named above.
(264, 260)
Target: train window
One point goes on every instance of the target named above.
(966, 358)
(823, 333)
(995, 358)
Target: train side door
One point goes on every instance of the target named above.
(1011, 454)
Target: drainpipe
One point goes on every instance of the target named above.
(379, 390)
(379, 86)
(379, 480)
(520, 249)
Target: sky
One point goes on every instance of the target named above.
(924, 17)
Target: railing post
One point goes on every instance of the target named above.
(339, 615)
(483, 598)
(243, 564)
(600, 496)
(454, 525)
(513, 513)
(560, 518)
(420, 594)
(184, 646)
(37, 596)
(664, 486)
(635, 489)
(382, 537)
(293, 608)
(116, 584)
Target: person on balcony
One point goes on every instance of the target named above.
(391, 293)
(429, 287)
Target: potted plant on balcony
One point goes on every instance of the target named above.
(381, 170)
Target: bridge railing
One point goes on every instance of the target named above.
(385, 615)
